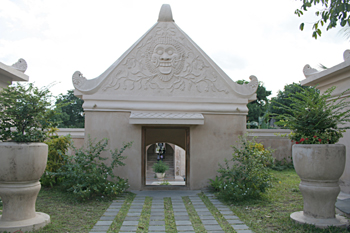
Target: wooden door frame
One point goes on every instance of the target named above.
(144, 156)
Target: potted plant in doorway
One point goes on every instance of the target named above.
(24, 120)
(160, 168)
(317, 122)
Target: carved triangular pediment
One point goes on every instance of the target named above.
(165, 63)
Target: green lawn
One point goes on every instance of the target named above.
(271, 214)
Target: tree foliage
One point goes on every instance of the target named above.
(333, 12)
(258, 107)
(282, 98)
(70, 111)
(25, 113)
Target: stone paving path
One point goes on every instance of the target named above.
(182, 219)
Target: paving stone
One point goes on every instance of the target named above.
(201, 209)
(207, 217)
(107, 218)
(127, 218)
(177, 213)
(157, 217)
(184, 228)
(244, 231)
(182, 217)
(157, 210)
(227, 217)
(98, 231)
(209, 222)
(213, 227)
(240, 227)
(128, 228)
(226, 212)
(156, 228)
(110, 214)
(112, 210)
(133, 214)
(157, 223)
(100, 228)
(203, 213)
(135, 211)
(183, 223)
(135, 207)
(130, 223)
(236, 221)
(103, 223)
(223, 209)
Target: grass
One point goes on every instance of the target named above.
(119, 219)
(169, 218)
(194, 218)
(145, 216)
(67, 214)
(271, 213)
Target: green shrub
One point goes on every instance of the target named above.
(160, 167)
(58, 146)
(86, 175)
(246, 175)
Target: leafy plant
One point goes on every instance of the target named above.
(86, 175)
(160, 167)
(315, 118)
(58, 146)
(247, 174)
(25, 113)
(165, 183)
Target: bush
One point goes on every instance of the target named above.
(58, 146)
(160, 167)
(246, 175)
(86, 175)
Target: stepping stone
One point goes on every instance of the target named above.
(157, 217)
(100, 228)
(156, 228)
(103, 223)
(128, 228)
(183, 223)
(157, 223)
(244, 231)
(201, 209)
(110, 214)
(178, 213)
(182, 217)
(200, 213)
(226, 212)
(240, 227)
(213, 227)
(184, 228)
(206, 217)
(131, 218)
(107, 218)
(133, 214)
(209, 222)
(230, 217)
(236, 221)
(130, 223)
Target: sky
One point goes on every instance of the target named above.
(255, 37)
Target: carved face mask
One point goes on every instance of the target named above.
(165, 58)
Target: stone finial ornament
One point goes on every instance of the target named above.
(165, 14)
(20, 65)
(309, 71)
(346, 55)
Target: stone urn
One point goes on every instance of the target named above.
(319, 167)
(21, 166)
(160, 176)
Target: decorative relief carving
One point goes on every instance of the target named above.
(78, 79)
(20, 65)
(309, 71)
(165, 62)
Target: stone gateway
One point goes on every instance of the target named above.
(164, 90)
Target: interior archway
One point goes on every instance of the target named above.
(175, 155)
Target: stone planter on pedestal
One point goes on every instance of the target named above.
(160, 176)
(21, 166)
(319, 168)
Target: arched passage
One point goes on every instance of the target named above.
(176, 140)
